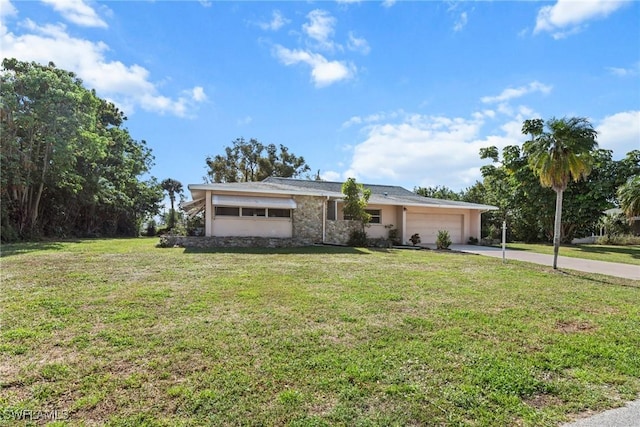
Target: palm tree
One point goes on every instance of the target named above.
(629, 197)
(172, 187)
(558, 154)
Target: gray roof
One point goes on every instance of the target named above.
(380, 194)
(336, 187)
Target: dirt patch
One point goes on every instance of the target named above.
(540, 401)
(574, 326)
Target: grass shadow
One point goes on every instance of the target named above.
(591, 278)
(599, 249)
(299, 250)
(9, 249)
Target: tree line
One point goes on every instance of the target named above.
(69, 166)
(524, 182)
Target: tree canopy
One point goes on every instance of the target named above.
(629, 196)
(528, 207)
(251, 160)
(68, 165)
(438, 192)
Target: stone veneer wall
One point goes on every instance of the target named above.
(307, 219)
(229, 242)
(337, 232)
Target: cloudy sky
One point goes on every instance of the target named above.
(392, 92)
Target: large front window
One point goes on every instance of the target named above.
(252, 212)
(376, 216)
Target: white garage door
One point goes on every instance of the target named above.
(427, 225)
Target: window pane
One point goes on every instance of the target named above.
(376, 216)
(227, 211)
(331, 210)
(253, 212)
(279, 213)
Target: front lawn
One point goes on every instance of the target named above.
(622, 254)
(121, 333)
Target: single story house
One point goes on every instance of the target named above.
(303, 212)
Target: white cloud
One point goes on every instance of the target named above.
(620, 132)
(277, 22)
(427, 150)
(568, 16)
(512, 93)
(388, 3)
(7, 9)
(332, 176)
(461, 22)
(372, 118)
(198, 95)
(244, 121)
(358, 44)
(77, 12)
(318, 34)
(419, 150)
(625, 72)
(320, 28)
(323, 71)
(126, 86)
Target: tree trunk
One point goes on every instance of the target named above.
(557, 228)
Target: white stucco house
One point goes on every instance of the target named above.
(297, 212)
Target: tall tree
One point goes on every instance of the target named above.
(558, 154)
(173, 188)
(356, 198)
(251, 160)
(68, 165)
(629, 197)
(42, 110)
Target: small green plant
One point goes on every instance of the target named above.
(473, 240)
(415, 239)
(443, 241)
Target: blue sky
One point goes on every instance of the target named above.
(391, 92)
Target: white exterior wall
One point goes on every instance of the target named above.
(388, 215)
(244, 226)
(208, 215)
(475, 225)
(225, 226)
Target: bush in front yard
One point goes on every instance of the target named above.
(619, 240)
(444, 240)
(357, 238)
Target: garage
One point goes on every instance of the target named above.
(427, 226)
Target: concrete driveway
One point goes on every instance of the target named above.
(626, 271)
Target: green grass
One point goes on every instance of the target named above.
(622, 254)
(120, 333)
